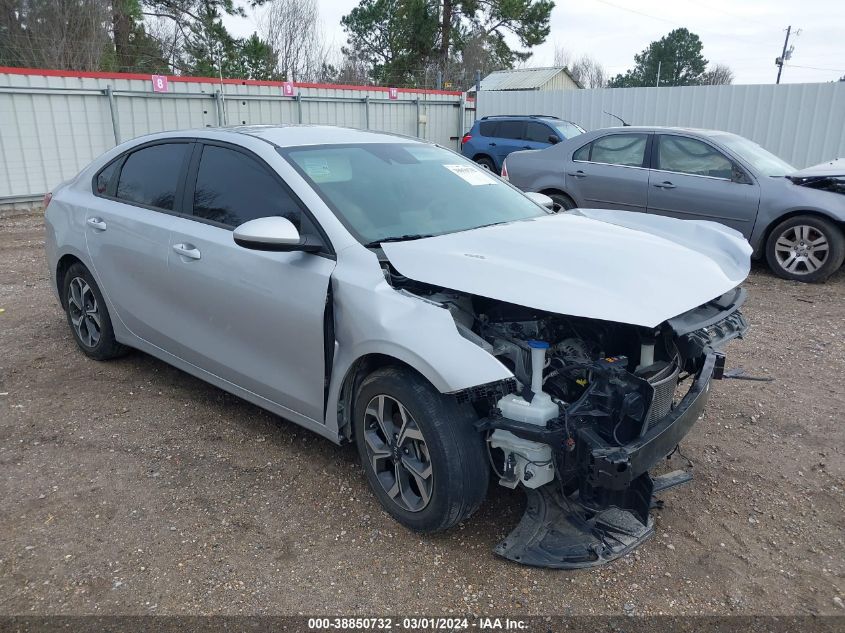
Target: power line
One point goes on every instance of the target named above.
(837, 70)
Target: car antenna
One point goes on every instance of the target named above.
(624, 122)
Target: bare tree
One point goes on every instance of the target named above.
(586, 70)
(717, 75)
(294, 30)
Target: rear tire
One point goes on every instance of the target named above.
(805, 248)
(562, 201)
(401, 419)
(88, 316)
(487, 164)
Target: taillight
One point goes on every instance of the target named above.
(47, 197)
(466, 139)
(505, 170)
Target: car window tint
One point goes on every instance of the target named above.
(690, 156)
(510, 129)
(537, 132)
(151, 175)
(620, 149)
(104, 177)
(487, 128)
(582, 153)
(233, 188)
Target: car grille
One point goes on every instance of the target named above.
(664, 383)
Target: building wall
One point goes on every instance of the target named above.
(54, 123)
(802, 123)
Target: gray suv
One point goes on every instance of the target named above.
(792, 218)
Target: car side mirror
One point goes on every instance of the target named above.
(554, 139)
(272, 233)
(739, 176)
(542, 199)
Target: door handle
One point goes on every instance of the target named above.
(187, 250)
(526, 147)
(492, 144)
(97, 224)
(576, 174)
(664, 185)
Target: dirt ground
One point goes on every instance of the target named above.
(129, 487)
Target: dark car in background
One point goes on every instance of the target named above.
(492, 138)
(794, 219)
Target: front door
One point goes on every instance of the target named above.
(693, 180)
(253, 318)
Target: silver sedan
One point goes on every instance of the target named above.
(793, 218)
(389, 292)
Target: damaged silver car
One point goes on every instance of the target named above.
(388, 292)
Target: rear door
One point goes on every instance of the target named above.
(509, 138)
(127, 233)
(610, 172)
(693, 180)
(253, 318)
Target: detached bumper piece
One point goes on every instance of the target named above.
(608, 515)
(560, 533)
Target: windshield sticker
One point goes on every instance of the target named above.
(317, 169)
(472, 175)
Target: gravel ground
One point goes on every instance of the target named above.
(129, 487)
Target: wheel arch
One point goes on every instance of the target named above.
(360, 368)
(760, 246)
(62, 266)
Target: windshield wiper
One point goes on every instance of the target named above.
(397, 238)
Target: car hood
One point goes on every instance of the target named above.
(833, 168)
(610, 265)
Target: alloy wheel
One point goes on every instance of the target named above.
(84, 312)
(397, 453)
(802, 249)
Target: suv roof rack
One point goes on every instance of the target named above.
(527, 116)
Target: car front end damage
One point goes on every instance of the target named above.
(621, 411)
(593, 407)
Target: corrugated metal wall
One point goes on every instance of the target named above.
(52, 126)
(802, 123)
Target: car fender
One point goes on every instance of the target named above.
(372, 317)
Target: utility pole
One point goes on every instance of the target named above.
(657, 83)
(785, 55)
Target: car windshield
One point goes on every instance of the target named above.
(567, 129)
(395, 191)
(766, 163)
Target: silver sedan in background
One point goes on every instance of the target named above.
(792, 218)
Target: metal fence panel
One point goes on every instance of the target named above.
(802, 123)
(53, 124)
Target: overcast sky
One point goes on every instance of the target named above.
(745, 34)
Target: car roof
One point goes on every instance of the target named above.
(662, 128)
(292, 135)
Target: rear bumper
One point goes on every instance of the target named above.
(616, 467)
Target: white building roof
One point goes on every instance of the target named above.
(523, 78)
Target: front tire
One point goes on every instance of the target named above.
(420, 452)
(88, 316)
(805, 248)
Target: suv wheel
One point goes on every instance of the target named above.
(562, 201)
(486, 163)
(805, 248)
(420, 452)
(88, 316)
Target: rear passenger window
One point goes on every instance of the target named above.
(233, 188)
(150, 176)
(101, 184)
(487, 128)
(619, 149)
(582, 153)
(510, 129)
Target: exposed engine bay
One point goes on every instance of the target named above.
(593, 407)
